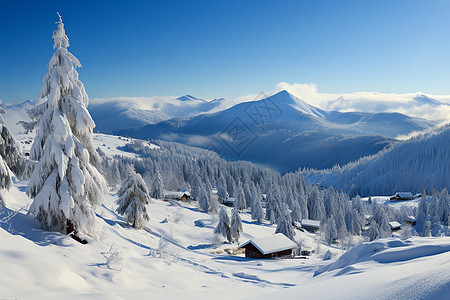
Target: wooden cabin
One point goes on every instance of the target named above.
(400, 196)
(181, 196)
(395, 225)
(310, 225)
(229, 202)
(277, 245)
(411, 220)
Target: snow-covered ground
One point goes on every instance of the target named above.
(396, 204)
(174, 257)
(109, 144)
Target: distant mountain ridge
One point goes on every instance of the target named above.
(285, 133)
(280, 131)
(121, 113)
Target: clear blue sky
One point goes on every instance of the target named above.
(229, 48)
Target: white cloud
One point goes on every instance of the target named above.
(371, 101)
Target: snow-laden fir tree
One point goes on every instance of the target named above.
(316, 208)
(213, 203)
(381, 219)
(65, 183)
(196, 187)
(273, 203)
(133, 198)
(240, 203)
(222, 192)
(203, 201)
(223, 227)
(444, 205)
(236, 225)
(284, 225)
(331, 233)
(257, 210)
(158, 186)
(422, 217)
(372, 232)
(11, 158)
(5, 174)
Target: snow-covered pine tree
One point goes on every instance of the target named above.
(213, 203)
(11, 158)
(422, 217)
(257, 210)
(158, 186)
(380, 217)
(133, 198)
(196, 187)
(236, 225)
(222, 193)
(284, 225)
(444, 207)
(372, 232)
(331, 233)
(316, 208)
(223, 227)
(273, 204)
(240, 202)
(203, 201)
(65, 183)
(5, 174)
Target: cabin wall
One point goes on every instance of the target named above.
(252, 252)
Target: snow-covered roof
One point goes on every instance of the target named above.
(411, 218)
(176, 194)
(395, 224)
(310, 223)
(230, 200)
(404, 194)
(271, 243)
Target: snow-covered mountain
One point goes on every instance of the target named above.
(411, 165)
(15, 113)
(126, 113)
(286, 133)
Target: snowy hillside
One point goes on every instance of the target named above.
(308, 136)
(176, 257)
(412, 165)
(417, 268)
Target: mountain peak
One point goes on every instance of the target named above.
(422, 99)
(190, 98)
(284, 97)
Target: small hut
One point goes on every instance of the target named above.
(400, 196)
(182, 196)
(395, 225)
(411, 220)
(277, 245)
(311, 225)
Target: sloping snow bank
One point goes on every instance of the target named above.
(387, 251)
(418, 268)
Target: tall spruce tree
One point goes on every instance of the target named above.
(257, 210)
(223, 227)
(133, 198)
(236, 225)
(5, 174)
(284, 225)
(158, 186)
(65, 183)
(11, 158)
